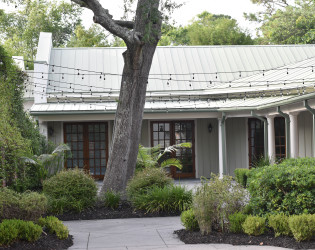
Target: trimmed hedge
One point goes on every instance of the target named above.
(302, 226)
(285, 188)
(254, 225)
(54, 226)
(189, 220)
(70, 190)
(24, 206)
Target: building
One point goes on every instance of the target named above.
(234, 103)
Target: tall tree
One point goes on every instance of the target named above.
(141, 37)
(20, 29)
(206, 29)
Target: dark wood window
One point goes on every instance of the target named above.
(255, 140)
(89, 146)
(280, 140)
(167, 133)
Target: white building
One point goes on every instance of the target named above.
(234, 103)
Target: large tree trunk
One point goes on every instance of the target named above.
(128, 119)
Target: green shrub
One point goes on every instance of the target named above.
(29, 231)
(302, 226)
(215, 200)
(254, 225)
(163, 199)
(241, 176)
(189, 221)
(111, 199)
(8, 232)
(25, 206)
(146, 179)
(11, 230)
(236, 220)
(285, 188)
(54, 225)
(70, 190)
(280, 224)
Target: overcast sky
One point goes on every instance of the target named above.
(234, 8)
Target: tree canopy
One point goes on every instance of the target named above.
(20, 29)
(206, 29)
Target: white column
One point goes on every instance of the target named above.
(43, 128)
(220, 148)
(294, 134)
(271, 138)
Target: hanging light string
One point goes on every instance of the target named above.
(192, 74)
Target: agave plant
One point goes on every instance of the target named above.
(153, 157)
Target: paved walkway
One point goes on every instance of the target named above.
(139, 233)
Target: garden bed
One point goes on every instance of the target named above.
(47, 241)
(189, 237)
(99, 211)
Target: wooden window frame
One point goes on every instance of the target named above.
(278, 138)
(261, 148)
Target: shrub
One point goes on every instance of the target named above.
(280, 224)
(54, 225)
(189, 221)
(11, 230)
(241, 176)
(25, 206)
(254, 225)
(146, 179)
(236, 220)
(8, 232)
(111, 199)
(285, 188)
(163, 199)
(215, 200)
(70, 190)
(302, 226)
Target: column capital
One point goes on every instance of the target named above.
(271, 116)
(295, 113)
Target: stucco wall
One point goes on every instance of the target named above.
(55, 132)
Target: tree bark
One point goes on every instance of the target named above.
(128, 120)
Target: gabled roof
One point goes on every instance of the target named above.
(190, 67)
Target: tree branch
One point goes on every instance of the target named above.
(126, 24)
(102, 17)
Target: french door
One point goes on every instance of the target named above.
(280, 140)
(167, 133)
(255, 140)
(89, 147)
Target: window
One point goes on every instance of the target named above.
(166, 133)
(280, 140)
(88, 142)
(255, 140)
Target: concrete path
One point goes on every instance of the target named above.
(139, 233)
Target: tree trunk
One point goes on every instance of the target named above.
(128, 120)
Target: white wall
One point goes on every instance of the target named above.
(236, 144)
(305, 125)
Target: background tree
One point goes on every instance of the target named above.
(206, 29)
(20, 29)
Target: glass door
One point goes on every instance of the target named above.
(167, 133)
(88, 143)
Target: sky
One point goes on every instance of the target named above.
(234, 8)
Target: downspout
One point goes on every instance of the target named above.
(307, 106)
(223, 137)
(287, 131)
(264, 120)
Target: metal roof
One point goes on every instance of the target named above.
(188, 65)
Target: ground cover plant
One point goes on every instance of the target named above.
(70, 190)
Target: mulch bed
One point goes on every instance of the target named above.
(46, 242)
(189, 237)
(125, 210)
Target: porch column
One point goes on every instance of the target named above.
(43, 128)
(294, 134)
(287, 132)
(308, 107)
(271, 138)
(222, 146)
